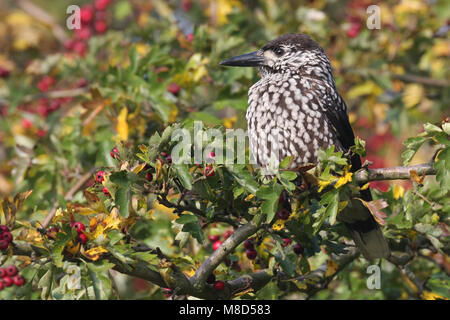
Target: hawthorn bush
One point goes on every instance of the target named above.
(94, 206)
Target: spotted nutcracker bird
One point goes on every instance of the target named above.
(295, 110)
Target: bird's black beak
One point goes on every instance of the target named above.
(252, 59)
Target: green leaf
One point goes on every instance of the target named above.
(100, 282)
(246, 180)
(271, 196)
(122, 200)
(186, 218)
(184, 175)
(412, 145)
(195, 230)
(45, 282)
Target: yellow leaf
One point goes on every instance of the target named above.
(428, 295)
(398, 191)
(324, 183)
(249, 197)
(220, 9)
(122, 125)
(229, 122)
(364, 187)
(278, 225)
(412, 95)
(331, 268)
(366, 88)
(347, 177)
(139, 168)
(95, 253)
(189, 272)
(415, 177)
(72, 248)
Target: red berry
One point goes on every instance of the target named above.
(1, 285)
(100, 26)
(106, 192)
(227, 234)
(169, 159)
(248, 244)
(174, 88)
(83, 238)
(7, 281)
(149, 176)
(80, 48)
(211, 279)
(45, 83)
(208, 171)
(79, 227)
(82, 83)
(101, 4)
(213, 238)
(186, 5)
(83, 33)
(216, 245)
(100, 176)
(4, 73)
(298, 248)
(41, 133)
(26, 124)
(2, 272)
(11, 270)
(219, 285)
(87, 13)
(3, 228)
(286, 242)
(18, 280)
(251, 254)
(114, 152)
(167, 292)
(189, 37)
(283, 214)
(354, 30)
(7, 236)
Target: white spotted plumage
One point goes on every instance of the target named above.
(285, 113)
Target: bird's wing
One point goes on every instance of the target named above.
(336, 112)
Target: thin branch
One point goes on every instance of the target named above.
(68, 196)
(41, 15)
(208, 266)
(422, 80)
(394, 173)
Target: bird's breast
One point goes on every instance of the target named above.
(285, 118)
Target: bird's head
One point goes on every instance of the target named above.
(289, 53)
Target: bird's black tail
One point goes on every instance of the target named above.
(364, 230)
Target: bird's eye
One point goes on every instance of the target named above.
(278, 51)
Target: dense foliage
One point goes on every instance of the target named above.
(97, 208)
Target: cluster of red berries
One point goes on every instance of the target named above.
(215, 239)
(217, 284)
(10, 276)
(93, 20)
(5, 237)
(80, 228)
(100, 176)
(250, 250)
